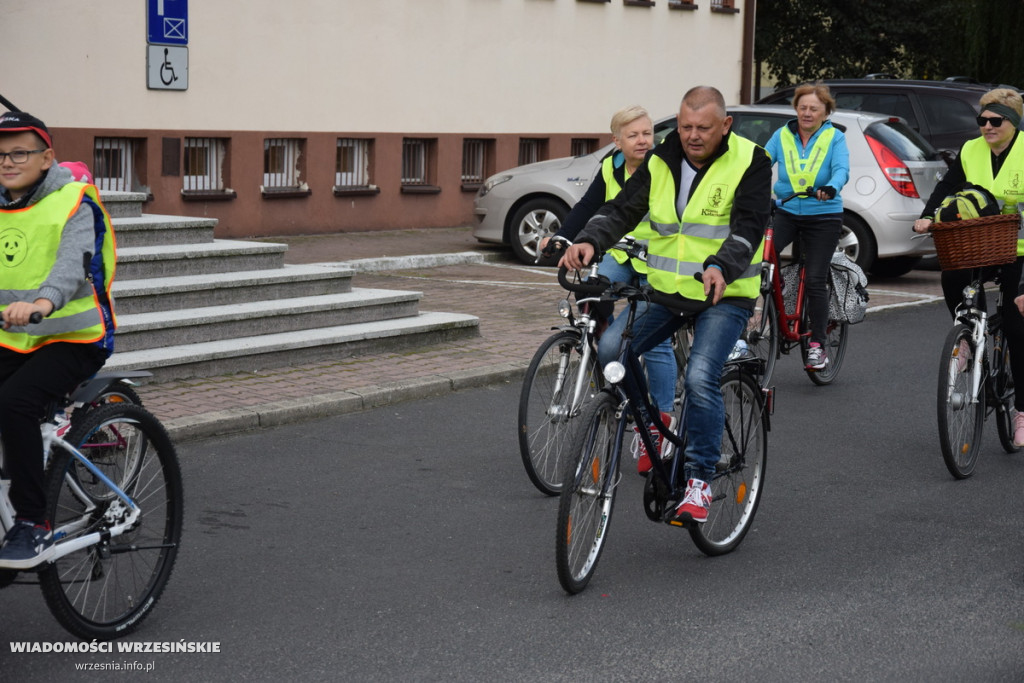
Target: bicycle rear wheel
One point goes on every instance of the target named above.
(105, 590)
(588, 495)
(738, 483)
(547, 404)
(762, 335)
(1001, 382)
(960, 417)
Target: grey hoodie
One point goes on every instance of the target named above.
(77, 239)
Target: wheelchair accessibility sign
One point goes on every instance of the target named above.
(166, 67)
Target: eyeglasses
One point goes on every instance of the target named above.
(994, 121)
(19, 157)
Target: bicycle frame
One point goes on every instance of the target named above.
(633, 396)
(789, 323)
(129, 507)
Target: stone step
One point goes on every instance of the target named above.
(120, 204)
(221, 289)
(219, 256)
(152, 230)
(251, 354)
(136, 332)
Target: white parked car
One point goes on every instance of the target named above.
(892, 168)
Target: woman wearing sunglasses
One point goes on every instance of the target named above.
(995, 161)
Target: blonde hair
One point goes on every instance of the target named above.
(818, 89)
(626, 116)
(1004, 96)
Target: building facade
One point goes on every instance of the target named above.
(342, 115)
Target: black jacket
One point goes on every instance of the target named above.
(750, 211)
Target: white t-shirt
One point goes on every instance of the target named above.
(686, 175)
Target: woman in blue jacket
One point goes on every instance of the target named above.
(812, 155)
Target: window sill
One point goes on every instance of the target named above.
(284, 192)
(675, 4)
(208, 195)
(471, 187)
(421, 189)
(356, 190)
(725, 10)
(638, 3)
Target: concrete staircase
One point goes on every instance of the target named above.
(189, 305)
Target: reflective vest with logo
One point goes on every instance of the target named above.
(643, 232)
(1007, 186)
(681, 245)
(803, 172)
(29, 239)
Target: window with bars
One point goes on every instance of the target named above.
(532, 150)
(282, 171)
(726, 6)
(418, 165)
(113, 164)
(204, 164)
(682, 4)
(352, 163)
(582, 146)
(476, 162)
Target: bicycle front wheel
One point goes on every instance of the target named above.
(547, 402)
(835, 348)
(105, 590)
(588, 495)
(738, 483)
(961, 415)
(762, 335)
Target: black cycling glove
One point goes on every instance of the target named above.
(828, 190)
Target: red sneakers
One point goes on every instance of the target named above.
(643, 463)
(696, 502)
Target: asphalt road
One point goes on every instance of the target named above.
(406, 543)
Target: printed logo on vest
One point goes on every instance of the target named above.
(13, 247)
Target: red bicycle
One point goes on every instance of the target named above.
(779, 322)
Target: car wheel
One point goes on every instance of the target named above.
(895, 266)
(535, 220)
(858, 242)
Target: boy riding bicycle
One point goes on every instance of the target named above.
(56, 261)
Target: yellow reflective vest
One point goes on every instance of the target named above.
(802, 172)
(642, 233)
(1007, 186)
(680, 245)
(29, 239)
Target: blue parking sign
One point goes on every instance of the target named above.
(167, 22)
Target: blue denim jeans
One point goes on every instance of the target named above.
(715, 334)
(660, 360)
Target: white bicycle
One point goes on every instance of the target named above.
(114, 504)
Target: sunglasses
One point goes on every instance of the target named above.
(994, 121)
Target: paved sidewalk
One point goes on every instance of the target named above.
(516, 305)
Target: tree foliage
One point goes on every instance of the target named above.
(803, 40)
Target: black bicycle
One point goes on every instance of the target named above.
(590, 482)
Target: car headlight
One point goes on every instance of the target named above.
(493, 182)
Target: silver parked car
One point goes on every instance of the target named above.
(891, 168)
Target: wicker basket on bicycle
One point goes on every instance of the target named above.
(976, 242)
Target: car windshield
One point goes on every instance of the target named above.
(904, 141)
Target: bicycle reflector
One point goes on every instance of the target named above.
(614, 372)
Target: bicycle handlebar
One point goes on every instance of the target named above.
(35, 318)
(809, 192)
(620, 290)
